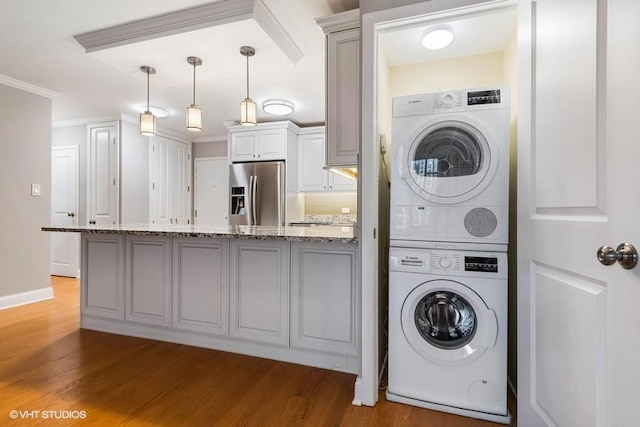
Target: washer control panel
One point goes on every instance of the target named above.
(449, 262)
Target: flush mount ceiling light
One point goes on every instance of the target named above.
(248, 107)
(147, 119)
(437, 39)
(277, 107)
(194, 114)
(159, 112)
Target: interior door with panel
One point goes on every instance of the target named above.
(577, 182)
(64, 210)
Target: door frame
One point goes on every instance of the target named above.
(76, 220)
(366, 389)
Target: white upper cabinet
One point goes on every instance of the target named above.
(265, 142)
(343, 87)
(312, 177)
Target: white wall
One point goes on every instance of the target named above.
(209, 149)
(25, 137)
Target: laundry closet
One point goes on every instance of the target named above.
(433, 226)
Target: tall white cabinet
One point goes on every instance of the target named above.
(343, 87)
(133, 178)
(103, 173)
(170, 181)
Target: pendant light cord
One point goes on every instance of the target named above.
(147, 91)
(247, 76)
(194, 83)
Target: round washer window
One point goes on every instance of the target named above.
(447, 152)
(445, 320)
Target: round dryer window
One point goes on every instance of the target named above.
(450, 161)
(447, 322)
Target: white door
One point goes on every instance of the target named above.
(211, 191)
(578, 174)
(103, 174)
(64, 210)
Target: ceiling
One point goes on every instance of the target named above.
(38, 47)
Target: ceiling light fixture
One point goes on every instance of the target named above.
(159, 112)
(277, 107)
(437, 39)
(194, 114)
(147, 120)
(248, 107)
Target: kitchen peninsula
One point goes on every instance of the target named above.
(284, 293)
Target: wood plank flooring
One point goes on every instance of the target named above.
(78, 377)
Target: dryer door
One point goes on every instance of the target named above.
(447, 322)
(449, 161)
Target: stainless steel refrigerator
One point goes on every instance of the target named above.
(257, 193)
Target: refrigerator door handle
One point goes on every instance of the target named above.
(250, 200)
(254, 205)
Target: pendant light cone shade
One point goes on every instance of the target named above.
(248, 107)
(147, 120)
(194, 114)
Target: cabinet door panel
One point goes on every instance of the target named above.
(312, 176)
(260, 291)
(272, 144)
(148, 280)
(323, 298)
(343, 97)
(243, 146)
(102, 276)
(103, 174)
(201, 285)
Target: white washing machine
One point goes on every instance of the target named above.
(450, 176)
(448, 331)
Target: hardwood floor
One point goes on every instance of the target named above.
(80, 377)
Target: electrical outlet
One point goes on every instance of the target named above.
(346, 210)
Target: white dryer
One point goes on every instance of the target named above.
(450, 176)
(448, 331)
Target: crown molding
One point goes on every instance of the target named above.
(195, 18)
(340, 21)
(27, 87)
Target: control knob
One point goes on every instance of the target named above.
(445, 262)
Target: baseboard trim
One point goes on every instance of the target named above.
(23, 298)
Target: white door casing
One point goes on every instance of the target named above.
(577, 174)
(64, 210)
(211, 195)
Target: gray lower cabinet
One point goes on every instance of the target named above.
(148, 280)
(201, 285)
(259, 291)
(102, 279)
(324, 299)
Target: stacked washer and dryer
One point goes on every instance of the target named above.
(448, 255)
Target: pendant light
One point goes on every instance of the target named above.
(147, 120)
(247, 107)
(194, 114)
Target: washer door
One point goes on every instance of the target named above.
(449, 161)
(447, 322)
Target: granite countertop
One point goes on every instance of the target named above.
(325, 234)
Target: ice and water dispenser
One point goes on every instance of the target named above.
(237, 201)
